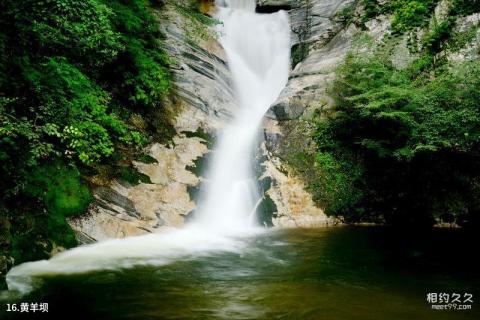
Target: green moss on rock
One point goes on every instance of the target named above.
(267, 210)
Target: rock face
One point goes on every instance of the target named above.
(203, 102)
(329, 40)
(472, 50)
(318, 26)
(314, 23)
(294, 205)
(122, 210)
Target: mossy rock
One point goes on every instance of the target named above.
(61, 188)
(267, 210)
(131, 175)
(208, 139)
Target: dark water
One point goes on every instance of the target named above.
(334, 273)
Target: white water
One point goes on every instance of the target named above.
(258, 51)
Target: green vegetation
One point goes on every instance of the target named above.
(72, 76)
(206, 138)
(298, 53)
(58, 189)
(465, 7)
(407, 14)
(303, 31)
(401, 146)
(410, 14)
(267, 210)
(199, 164)
(130, 175)
(196, 29)
(346, 15)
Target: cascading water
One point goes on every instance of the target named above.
(258, 51)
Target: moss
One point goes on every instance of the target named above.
(145, 158)
(466, 7)
(460, 40)
(161, 127)
(131, 175)
(208, 139)
(25, 247)
(3, 284)
(53, 192)
(61, 189)
(371, 10)
(298, 53)
(195, 10)
(265, 183)
(196, 28)
(267, 210)
(346, 15)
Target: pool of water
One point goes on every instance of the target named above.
(330, 273)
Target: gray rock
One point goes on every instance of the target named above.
(201, 76)
(275, 3)
(313, 21)
(310, 79)
(306, 92)
(204, 99)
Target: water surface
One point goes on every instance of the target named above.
(331, 273)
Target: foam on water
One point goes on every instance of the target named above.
(151, 249)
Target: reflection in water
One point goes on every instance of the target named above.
(331, 273)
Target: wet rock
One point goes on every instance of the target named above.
(122, 210)
(203, 102)
(202, 80)
(292, 205)
(269, 6)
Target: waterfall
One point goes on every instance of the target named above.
(258, 52)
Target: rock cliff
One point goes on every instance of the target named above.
(324, 31)
(203, 101)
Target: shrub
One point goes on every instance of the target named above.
(42, 225)
(71, 73)
(415, 139)
(60, 188)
